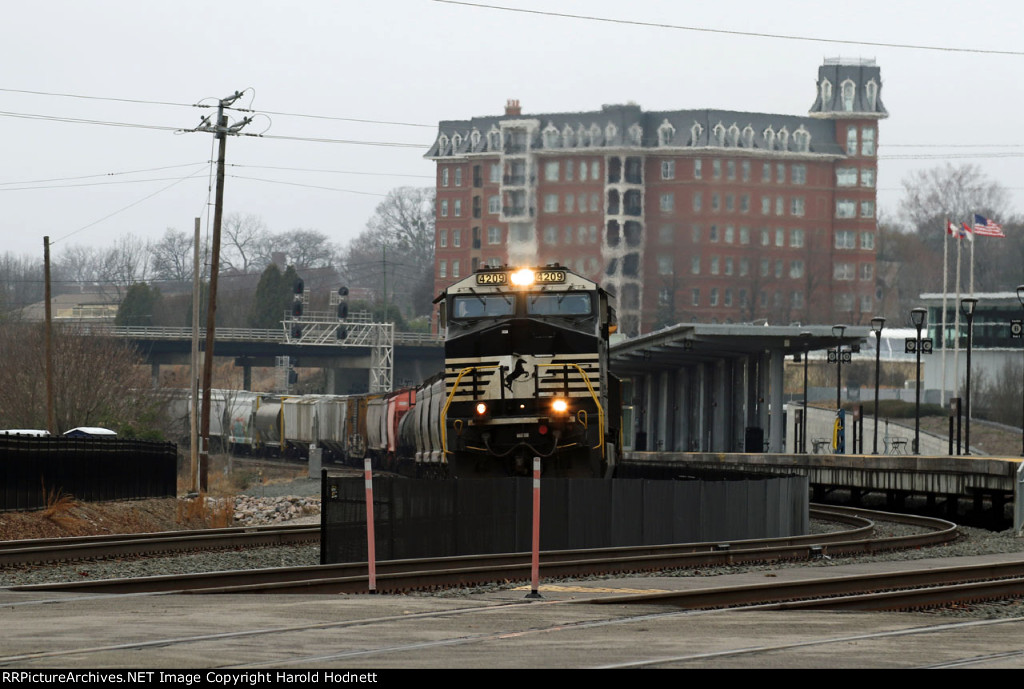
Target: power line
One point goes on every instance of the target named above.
(101, 174)
(750, 34)
(336, 172)
(307, 186)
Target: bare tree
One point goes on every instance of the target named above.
(306, 248)
(21, 282)
(956, 193)
(124, 264)
(171, 257)
(246, 243)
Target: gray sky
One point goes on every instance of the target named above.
(421, 61)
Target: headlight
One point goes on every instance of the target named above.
(481, 409)
(522, 277)
(560, 406)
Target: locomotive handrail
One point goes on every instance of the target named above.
(593, 395)
(444, 411)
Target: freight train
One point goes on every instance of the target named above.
(525, 375)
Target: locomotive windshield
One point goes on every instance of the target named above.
(482, 306)
(563, 304)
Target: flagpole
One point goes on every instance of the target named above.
(956, 325)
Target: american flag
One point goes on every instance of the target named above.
(984, 227)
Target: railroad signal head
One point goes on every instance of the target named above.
(343, 291)
(342, 333)
(342, 310)
(296, 308)
(297, 331)
(299, 286)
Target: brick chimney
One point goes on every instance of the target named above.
(512, 108)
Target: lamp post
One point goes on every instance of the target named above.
(805, 337)
(967, 305)
(1020, 298)
(876, 324)
(837, 332)
(918, 316)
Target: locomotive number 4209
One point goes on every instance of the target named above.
(491, 278)
(549, 276)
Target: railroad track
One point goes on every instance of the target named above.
(42, 550)
(424, 574)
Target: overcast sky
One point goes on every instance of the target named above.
(404, 65)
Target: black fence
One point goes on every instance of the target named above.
(90, 469)
(414, 519)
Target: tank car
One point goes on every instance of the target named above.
(526, 374)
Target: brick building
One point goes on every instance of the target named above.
(688, 215)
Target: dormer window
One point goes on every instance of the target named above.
(719, 133)
(442, 144)
(769, 138)
(849, 94)
(748, 137)
(494, 139)
(568, 138)
(636, 134)
(456, 142)
(610, 132)
(783, 139)
(871, 92)
(666, 133)
(595, 135)
(734, 135)
(551, 136)
(582, 139)
(826, 94)
(695, 131)
(802, 140)
(474, 138)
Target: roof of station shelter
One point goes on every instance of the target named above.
(694, 343)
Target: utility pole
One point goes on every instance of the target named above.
(51, 417)
(220, 131)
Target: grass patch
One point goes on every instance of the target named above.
(59, 506)
(206, 512)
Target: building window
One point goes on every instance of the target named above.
(796, 269)
(714, 296)
(458, 208)
(695, 232)
(867, 271)
(867, 303)
(458, 179)
(444, 208)
(714, 265)
(797, 205)
(666, 233)
(744, 267)
(715, 203)
(495, 177)
(796, 238)
(744, 235)
(780, 237)
(867, 240)
(766, 205)
(798, 173)
(568, 236)
(455, 269)
(744, 203)
(846, 239)
(728, 266)
(551, 235)
(570, 203)
(442, 238)
(846, 176)
(713, 234)
(494, 235)
(695, 297)
(551, 171)
(697, 169)
(593, 203)
(730, 202)
(730, 234)
(667, 203)
(494, 205)
(668, 169)
(716, 168)
(867, 209)
(765, 267)
(778, 268)
(695, 265)
(780, 205)
(843, 271)
(456, 238)
(666, 133)
(595, 169)
(846, 208)
(698, 201)
(583, 171)
(867, 141)
(766, 238)
(780, 173)
(797, 300)
(849, 92)
(550, 203)
(664, 265)
(444, 178)
(442, 268)
(867, 177)
(730, 169)
(802, 139)
(851, 141)
(766, 173)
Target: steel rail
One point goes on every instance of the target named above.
(405, 575)
(40, 550)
